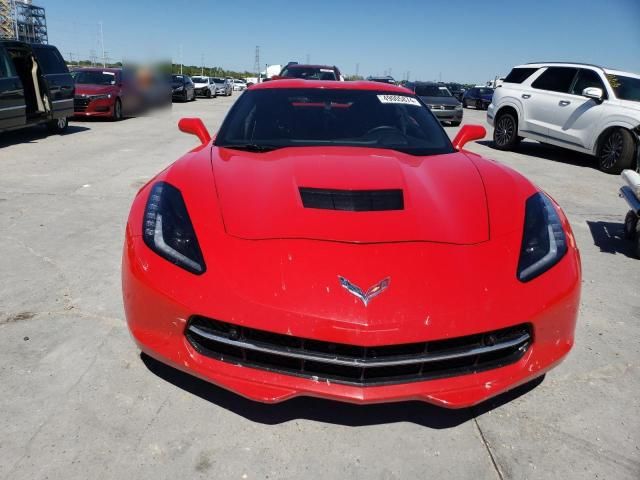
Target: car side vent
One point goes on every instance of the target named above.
(352, 200)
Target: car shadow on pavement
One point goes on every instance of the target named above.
(329, 411)
(551, 152)
(33, 134)
(609, 238)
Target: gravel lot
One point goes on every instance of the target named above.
(77, 400)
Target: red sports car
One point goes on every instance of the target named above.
(331, 241)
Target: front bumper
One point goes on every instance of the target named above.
(158, 317)
(448, 115)
(491, 114)
(93, 108)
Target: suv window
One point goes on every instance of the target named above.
(586, 79)
(6, 65)
(556, 79)
(519, 75)
(50, 60)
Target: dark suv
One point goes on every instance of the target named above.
(35, 87)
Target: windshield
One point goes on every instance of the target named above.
(432, 91)
(200, 79)
(309, 73)
(625, 88)
(177, 78)
(264, 120)
(218, 80)
(88, 77)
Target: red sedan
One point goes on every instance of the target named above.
(331, 241)
(100, 92)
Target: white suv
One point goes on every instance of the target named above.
(576, 106)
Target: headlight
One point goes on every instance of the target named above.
(168, 231)
(544, 242)
(178, 89)
(459, 106)
(100, 97)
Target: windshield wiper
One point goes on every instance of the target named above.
(252, 147)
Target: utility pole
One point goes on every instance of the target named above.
(104, 62)
(256, 63)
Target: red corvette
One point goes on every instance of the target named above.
(331, 241)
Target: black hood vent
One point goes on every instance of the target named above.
(352, 200)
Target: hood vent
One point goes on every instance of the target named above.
(352, 200)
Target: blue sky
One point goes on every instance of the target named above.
(467, 41)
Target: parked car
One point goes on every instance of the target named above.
(478, 97)
(631, 194)
(239, 85)
(382, 79)
(438, 98)
(223, 86)
(205, 86)
(103, 92)
(368, 236)
(35, 87)
(310, 72)
(581, 107)
(182, 88)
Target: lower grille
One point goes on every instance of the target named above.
(80, 104)
(356, 365)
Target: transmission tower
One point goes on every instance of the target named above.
(256, 63)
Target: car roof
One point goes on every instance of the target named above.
(330, 85)
(97, 69)
(577, 64)
(303, 65)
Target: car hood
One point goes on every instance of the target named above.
(440, 100)
(259, 195)
(87, 89)
(200, 84)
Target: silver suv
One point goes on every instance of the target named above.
(581, 107)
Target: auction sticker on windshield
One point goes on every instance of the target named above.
(401, 99)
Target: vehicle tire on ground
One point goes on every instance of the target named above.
(616, 151)
(208, 95)
(185, 97)
(636, 247)
(505, 133)
(58, 125)
(117, 110)
(464, 103)
(630, 225)
(455, 124)
(478, 104)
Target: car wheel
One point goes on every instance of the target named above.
(637, 245)
(208, 93)
(59, 125)
(616, 151)
(185, 96)
(464, 103)
(505, 133)
(478, 105)
(117, 110)
(630, 225)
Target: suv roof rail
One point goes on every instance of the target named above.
(567, 63)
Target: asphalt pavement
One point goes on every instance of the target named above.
(77, 400)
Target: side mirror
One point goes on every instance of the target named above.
(593, 92)
(467, 134)
(194, 126)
